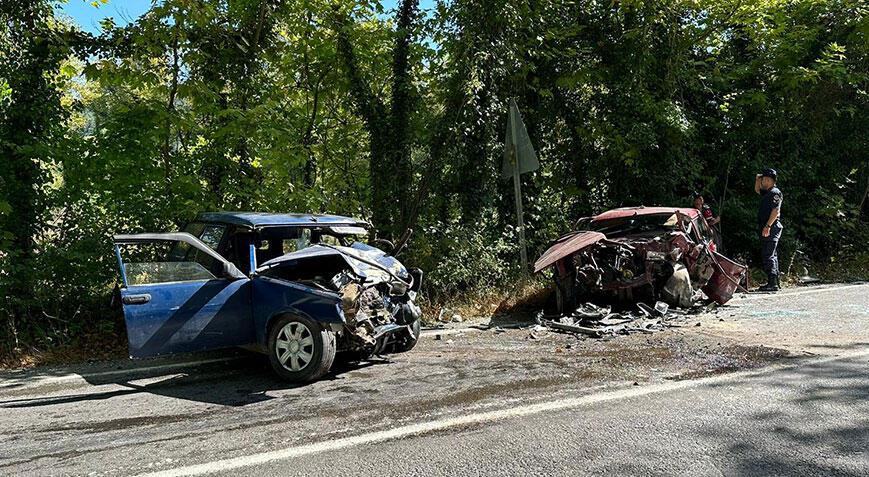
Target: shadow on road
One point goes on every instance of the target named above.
(812, 420)
(231, 383)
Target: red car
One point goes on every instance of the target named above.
(640, 254)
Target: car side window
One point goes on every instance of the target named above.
(165, 262)
(212, 235)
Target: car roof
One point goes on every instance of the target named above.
(643, 210)
(264, 219)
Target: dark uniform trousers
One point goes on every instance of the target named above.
(770, 200)
(769, 249)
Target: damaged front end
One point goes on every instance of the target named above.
(376, 294)
(666, 259)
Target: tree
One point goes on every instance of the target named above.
(31, 119)
(389, 125)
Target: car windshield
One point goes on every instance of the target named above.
(210, 234)
(297, 238)
(272, 242)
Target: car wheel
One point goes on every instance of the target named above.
(300, 349)
(410, 339)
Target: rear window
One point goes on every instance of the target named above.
(210, 234)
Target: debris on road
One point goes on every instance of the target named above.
(537, 331)
(600, 321)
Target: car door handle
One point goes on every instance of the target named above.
(137, 299)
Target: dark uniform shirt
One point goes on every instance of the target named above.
(769, 200)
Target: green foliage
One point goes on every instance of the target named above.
(398, 117)
(461, 257)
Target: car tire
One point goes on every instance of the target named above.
(411, 339)
(300, 349)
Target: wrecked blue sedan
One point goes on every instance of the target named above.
(298, 288)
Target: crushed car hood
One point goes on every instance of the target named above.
(356, 256)
(567, 245)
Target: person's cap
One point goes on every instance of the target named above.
(771, 173)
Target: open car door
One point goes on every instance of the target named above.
(179, 295)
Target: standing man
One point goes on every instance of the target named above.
(768, 220)
(701, 205)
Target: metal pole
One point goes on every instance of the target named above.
(517, 186)
(517, 189)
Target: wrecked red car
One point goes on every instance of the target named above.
(640, 254)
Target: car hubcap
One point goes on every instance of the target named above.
(294, 346)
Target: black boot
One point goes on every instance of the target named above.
(771, 284)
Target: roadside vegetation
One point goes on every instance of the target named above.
(396, 114)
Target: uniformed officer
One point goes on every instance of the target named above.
(769, 223)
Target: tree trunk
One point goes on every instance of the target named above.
(863, 200)
(374, 117)
(402, 106)
(35, 108)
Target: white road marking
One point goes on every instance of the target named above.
(800, 292)
(41, 381)
(477, 418)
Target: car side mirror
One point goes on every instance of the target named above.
(231, 271)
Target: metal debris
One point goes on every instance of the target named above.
(599, 321)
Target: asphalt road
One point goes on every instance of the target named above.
(808, 420)
(768, 385)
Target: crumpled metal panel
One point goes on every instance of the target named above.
(723, 283)
(565, 246)
(636, 211)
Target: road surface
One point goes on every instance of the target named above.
(771, 384)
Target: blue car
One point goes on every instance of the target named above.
(297, 287)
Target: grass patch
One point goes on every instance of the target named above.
(519, 299)
(90, 346)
